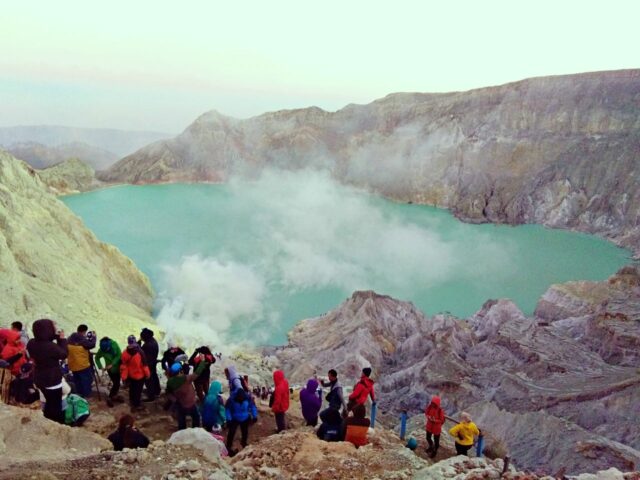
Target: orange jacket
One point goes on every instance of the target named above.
(133, 365)
(280, 393)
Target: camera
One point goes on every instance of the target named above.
(91, 334)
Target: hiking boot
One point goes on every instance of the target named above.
(433, 454)
(118, 399)
(149, 399)
(109, 402)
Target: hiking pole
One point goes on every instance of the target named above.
(480, 445)
(374, 409)
(403, 424)
(95, 375)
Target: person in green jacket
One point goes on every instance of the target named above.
(110, 352)
(213, 411)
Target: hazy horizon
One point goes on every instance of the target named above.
(153, 67)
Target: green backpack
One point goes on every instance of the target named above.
(77, 410)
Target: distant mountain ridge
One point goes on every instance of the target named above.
(119, 142)
(561, 151)
(42, 156)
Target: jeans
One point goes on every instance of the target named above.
(182, 416)
(244, 431)
(53, 405)
(135, 391)
(280, 422)
(115, 383)
(83, 380)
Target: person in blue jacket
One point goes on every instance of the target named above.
(239, 411)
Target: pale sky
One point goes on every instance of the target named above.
(157, 65)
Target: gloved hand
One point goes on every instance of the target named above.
(254, 420)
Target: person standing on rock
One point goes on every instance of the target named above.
(310, 402)
(435, 419)
(47, 349)
(80, 343)
(150, 348)
(239, 410)
(335, 397)
(110, 352)
(213, 408)
(234, 379)
(180, 389)
(169, 356)
(362, 390)
(280, 400)
(134, 369)
(127, 436)
(464, 432)
(201, 384)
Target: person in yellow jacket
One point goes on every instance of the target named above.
(464, 433)
(79, 345)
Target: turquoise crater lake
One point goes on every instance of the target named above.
(248, 260)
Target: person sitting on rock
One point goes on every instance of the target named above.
(14, 351)
(180, 389)
(280, 397)
(213, 409)
(331, 427)
(362, 390)
(357, 426)
(134, 369)
(435, 420)
(239, 412)
(127, 435)
(109, 352)
(464, 432)
(310, 402)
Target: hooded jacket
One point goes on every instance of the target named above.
(149, 347)
(362, 390)
(13, 350)
(46, 354)
(464, 433)
(435, 416)
(169, 357)
(310, 401)
(240, 411)
(78, 351)
(133, 364)
(280, 393)
(111, 355)
(213, 410)
(235, 381)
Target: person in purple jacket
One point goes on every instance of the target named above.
(311, 402)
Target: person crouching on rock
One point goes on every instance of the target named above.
(134, 368)
(127, 436)
(47, 349)
(239, 412)
(310, 402)
(280, 400)
(357, 426)
(180, 389)
(435, 420)
(331, 427)
(109, 351)
(464, 433)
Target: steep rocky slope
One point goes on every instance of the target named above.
(70, 176)
(52, 266)
(562, 151)
(557, 387)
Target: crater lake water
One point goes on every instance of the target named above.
(248, 260)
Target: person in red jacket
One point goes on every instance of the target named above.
(14, 351)
(362, 390)
(280, 399)
(435, 420)
(134, 368)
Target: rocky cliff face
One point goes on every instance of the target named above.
(70, 176)
(562, 151)
(557, 387)
(52, 266)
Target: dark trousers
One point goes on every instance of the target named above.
(182, 416)
(135, 391)
(462, 449)
(83, 380)
(244, 433)
(435, 443)
(312, 423)
(115, 383)
(281, 423)
(53, 404)
(202, 387)
(153, 383)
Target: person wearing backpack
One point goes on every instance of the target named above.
(435, 419)
(109, 351)
(80, 343)
(180, 389)
(213, 408)
(239, 412)
(357, 426)
(127, 435)
(134, 369)
(280, 403)
(362, 390)
(47, 349)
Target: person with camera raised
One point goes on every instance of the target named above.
(80, 343)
